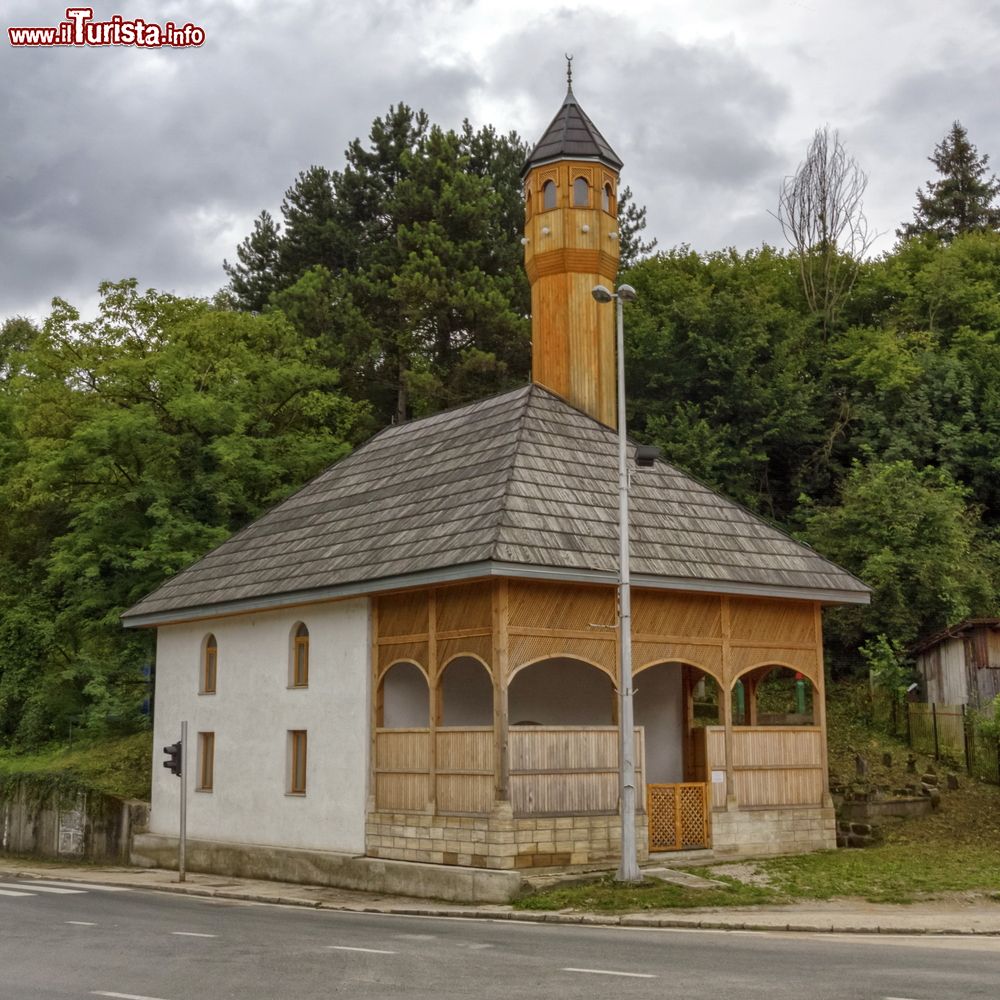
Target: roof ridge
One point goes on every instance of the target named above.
(515, 452)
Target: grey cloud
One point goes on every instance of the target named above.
(691, 123)
(123, 162)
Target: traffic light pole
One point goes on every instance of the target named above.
(182, 843)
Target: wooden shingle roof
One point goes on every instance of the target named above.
(518, 484)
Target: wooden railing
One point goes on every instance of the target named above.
(459, 777)
(554, 770)
(568, 770)
(772, 766)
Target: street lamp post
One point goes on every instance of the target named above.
(628, 869)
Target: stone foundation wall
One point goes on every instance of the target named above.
(499, 841)
(786, 830)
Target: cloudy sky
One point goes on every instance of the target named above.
(120, 162)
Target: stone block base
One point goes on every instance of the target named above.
(498, 841)
(778, 830)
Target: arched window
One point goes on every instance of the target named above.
(209, 665)
(606, 196)
(527, 201)
(548, 195)
(300, 658)
(581, 193)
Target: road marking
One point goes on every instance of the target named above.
(81, 923)
(416, 937)
(82, 885)
(611, 972)
(192, 934)
(51, 888)
(370, 951)
(122, 996)
(13, 892)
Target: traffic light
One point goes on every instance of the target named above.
(173, 761)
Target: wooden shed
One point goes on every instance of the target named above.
(961, 664)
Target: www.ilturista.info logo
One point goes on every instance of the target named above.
(80, 28)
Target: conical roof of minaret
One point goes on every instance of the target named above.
(571, 136)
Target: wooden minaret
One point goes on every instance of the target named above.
(571, 245)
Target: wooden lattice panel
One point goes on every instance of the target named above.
(772, 622)
(670, 614)
(678, 816)
(647, 654)
(661, 807)
(479, 646)
(556, 606)
(693, 816)
(529, 648)
(402, 614)
(743, 658)
(399, 652)
(465, 606)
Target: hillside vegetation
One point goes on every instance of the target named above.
(863, 414)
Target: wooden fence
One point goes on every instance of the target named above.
(772, 766)
(954, 734)
(554, 770)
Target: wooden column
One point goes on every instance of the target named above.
(726, 705)
(819, 705)
(501, 757)
(434, 698)
(750, 682)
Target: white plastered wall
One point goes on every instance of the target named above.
(251, 714)
(659, 708)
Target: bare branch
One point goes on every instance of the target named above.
(820, 210)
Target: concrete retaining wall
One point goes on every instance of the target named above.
(467, 885)
(86, 826)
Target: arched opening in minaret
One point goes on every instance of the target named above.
(548, 195)
(607, 196)
(581, 193)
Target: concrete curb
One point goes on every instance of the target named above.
(586, 919)
(627, 920)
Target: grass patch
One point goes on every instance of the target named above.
(607, 896)
(892, 873)
(120, 766)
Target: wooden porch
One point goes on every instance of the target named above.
(527, 793)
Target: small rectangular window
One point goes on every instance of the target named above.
(206, 761)
(297, 739)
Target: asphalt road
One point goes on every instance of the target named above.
(89, 941)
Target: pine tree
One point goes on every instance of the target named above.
(255, 275)
(962, 200)
(631, 222)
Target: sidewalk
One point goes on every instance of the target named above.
(959, 914)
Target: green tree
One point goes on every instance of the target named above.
(142, 439)
(406, 264)
(631, 224)
(912, 536)
(962, 200)
(719, 363)
(256, 275)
